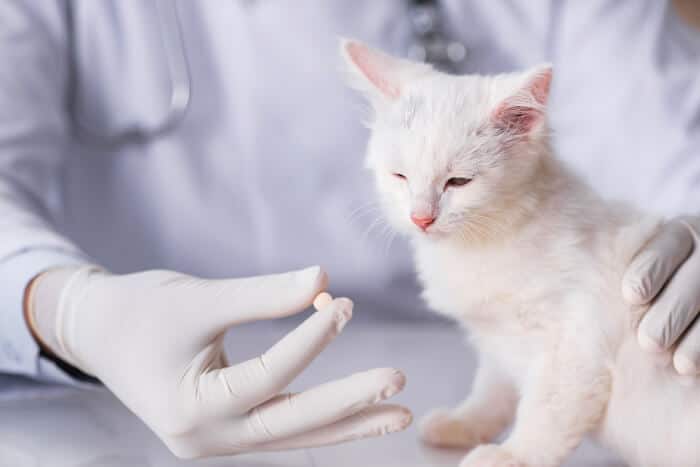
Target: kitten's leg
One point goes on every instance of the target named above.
(484, 414)
(564, 400)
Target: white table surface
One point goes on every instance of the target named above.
(65, 427)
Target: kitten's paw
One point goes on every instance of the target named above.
(491, 455)
(439, 428)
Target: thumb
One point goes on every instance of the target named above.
(235, 301)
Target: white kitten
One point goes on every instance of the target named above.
(511, 244)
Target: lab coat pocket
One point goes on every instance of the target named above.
(122, 84)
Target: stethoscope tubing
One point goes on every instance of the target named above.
(180, 82)
(431, 40)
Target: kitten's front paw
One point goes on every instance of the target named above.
(439, 428)
(491, 455)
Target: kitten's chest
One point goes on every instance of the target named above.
(493, 285)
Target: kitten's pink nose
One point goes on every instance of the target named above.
(422, 222)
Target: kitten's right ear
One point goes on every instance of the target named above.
(378, 75)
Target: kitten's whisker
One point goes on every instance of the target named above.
(375, 224)
(390, 243)
(363, 210)
(391, 234)
(367, 204)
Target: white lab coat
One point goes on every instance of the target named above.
(265, 172)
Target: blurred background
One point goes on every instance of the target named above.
(217, 138)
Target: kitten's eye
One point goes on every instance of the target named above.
(457, 181)
(398, 175)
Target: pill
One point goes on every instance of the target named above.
(322, 299)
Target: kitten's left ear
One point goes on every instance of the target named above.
(524, 111)
(380, 76)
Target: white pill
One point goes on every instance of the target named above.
(322, 299)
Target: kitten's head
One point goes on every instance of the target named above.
(453, 156)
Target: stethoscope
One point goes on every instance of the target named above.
(431, 43)
(180, 94)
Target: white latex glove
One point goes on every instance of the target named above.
(666, 273)
(155, 339)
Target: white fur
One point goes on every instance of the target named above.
(530, 261)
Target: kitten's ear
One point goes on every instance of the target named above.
(524, 111)
(376, 74)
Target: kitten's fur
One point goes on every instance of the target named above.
(530, 260)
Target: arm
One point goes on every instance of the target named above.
(155, 339)
(33, 137)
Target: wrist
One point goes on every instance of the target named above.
(30, 319)
(43, 298)
(41, 308)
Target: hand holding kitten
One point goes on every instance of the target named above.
(666, 274)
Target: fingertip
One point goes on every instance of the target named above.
(347, 306)
(310, 282)
(647, 343)
(322, 279)
(394, 382)
(384, 419)
(314, 276)
(342, 307)
(634, 292)
(404, 419)
(399, 379)
(684, 365)
(339, 310)
(398, 418)
(408, 416)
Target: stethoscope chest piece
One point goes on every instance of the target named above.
(431, 42)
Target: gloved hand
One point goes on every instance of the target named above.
(155, 339)
(666, 273)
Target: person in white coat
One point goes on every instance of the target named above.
(216, 139)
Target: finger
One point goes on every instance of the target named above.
(238, 388)
(291, 414)
(686, 358)
(651, 269)
(674, 310)
(235, 301)
(376, 420)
